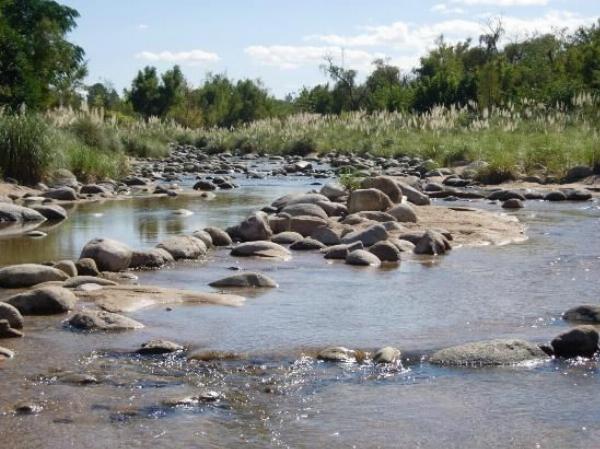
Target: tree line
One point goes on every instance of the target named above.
(41, 69)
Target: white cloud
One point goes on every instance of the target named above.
(292, 57)
(191, 57)
(443, 8)
(142, 26)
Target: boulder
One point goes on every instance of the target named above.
(29, 274)
(404, 246)
(204, 185)
(584, 314)
(385, 251)
(307, 198)
(360, 257)
(150, 258)
(109, 255)
(341, 251)
(581, 341)
(260, 249)
(373, 215)
(244, 280)
(7, 332)
(52, 212)
(183, 247)
(304, 209)
(68, 266)
(44, 301)
(255, 227)
(333, 209)
(414, 196)
(286, 238)
(333, 191)
(12, 315)
(219, 237)
(432, 243)
(368, 236)
(14, 213)
(61, 193)
(386, 355)
(578, 195)
(94, 189)
(368, 199)
(62, 177)
(87, 267)
(512, 203)
(156, 347)
(328, 235)
(337, 354)
(403, 213)
(307, 244)
(204, 236)
(578, 172)
(306, 225)
(6, 353)
(386, 184)
(77, 281)
(504, 195)
(555, 195)
(490, 352)
(98, 320)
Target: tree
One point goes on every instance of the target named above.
(144, 95)
(39, 67)
(102, 95)
(171, 90)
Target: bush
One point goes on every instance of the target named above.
(140, 145)
(96, 134)
(302, 147)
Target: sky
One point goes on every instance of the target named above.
(283, 42)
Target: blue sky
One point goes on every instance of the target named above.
(284, 42)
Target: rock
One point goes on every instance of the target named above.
(341, 251)
(512, 203)
(337, 354)
(77, 281)
(307, 198)
(29, 274)
(333, 209)
(578, 195)
(578, 172)
(244, 280)
(183, 247)
(414, 196)
(333, 191)
(368, 236)
(6, 353)
(61, 193)
(403, 213)
(94, 320)
(286, 238)
(7, 332)
(218, 236)
(191, 401)
(68, 266)
(12, 315)
(36, 234)
(372, 215)
(360, 257)
(204, 236)
(109, 255)
(87, 267)
(14, 213)
(255, 227)
(307, 244)
(386, 355)
(555, 195)
(27, 408)
(304, 209)
(44, 301)
(306, 225)
(94, 189)
(386, 184)
(154, 347)
(581, 341)
(585, 314)
(62, 177)
(385, 251)
(432, 243)
(204, 185)
(505, 195)
(52, 212)
(260, 249)
(368, 199)
(490, 352)
(150, 258)
(328, 236)
(213, 356)
(404, 246)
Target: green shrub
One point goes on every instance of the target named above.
(96, 134)
(302, 147)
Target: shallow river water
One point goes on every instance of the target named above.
(279, 396)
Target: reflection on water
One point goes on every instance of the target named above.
(276, 397)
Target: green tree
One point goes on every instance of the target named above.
(144, 95)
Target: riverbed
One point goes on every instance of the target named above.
(276, 394)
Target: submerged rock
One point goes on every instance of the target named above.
(489, 352)
(77, 281)
(385, 251)
(44, 301)
(183, 247)
(581, 341)
(386, 355)
(243, 280)
(261, 249)
(150, 258)
(52, 212)
(307, 244)
(585, 314)
(512, 203)
(109, 255)
(337, 354)
(341, 251)
(154, 347)
(94, 320)
(432, 243)
(360, 257)
(286, 237)
(28, 275)
(6, 353)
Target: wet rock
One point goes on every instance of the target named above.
(578, 172)
(333, 209)
(204, 236)
(304, 209)
(368, 199)
(581, 341)
(404, 246)
(12, 315)
(403, 213)
(191, 401)
(368, 236)
(150, 258)
(6, 353)
(490, 352)
(61, 193)
(341, 251)
(260, 249)
(98, 320)
(255, 227)
(87, 267)
(205, 185)
(360, 257)
(244, 280)
(337, 354)
(77, 378)
(307, 244)
(183, 247)
(213, 356)
(8, 332)
(286, 238)
(305, 225)
(385, 251)
(44, 301)
(504, 195)
(28, 275)
(386, 184)
(328, 235)
(578, 195)
(36, 234)
(155, 347)
(333, 191)
(14, 213)
(414, 196)
(432, 243)
(68, 266)
(27, 408)
(94, 189)
(555, 195)
(109, 255)
(52, 212)
(219, 237)
(77, 281)
(512, 203)
(386, 355)
(584, 314)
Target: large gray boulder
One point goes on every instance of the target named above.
(61, 193)
(490, 352)
(109, 255)
(386, 184)
(44, 301)
(52, 212)
(403, 213)
(368, 199)
(255, 227)
(337, 354)
(183, 247)
(28, 275)
(385, 251)
(12, 315)
(245, 280)
(368, 236)
(584, 314)
(286, 238)
(387, 355)
(413, 195)
(261, 249)
(432, 243)
(14, 213)
(341, 251)
(360, 257)
(150, 258)
(219, 236)
(333, 191)
(581, 341)
(94, 320)
(304, 209)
